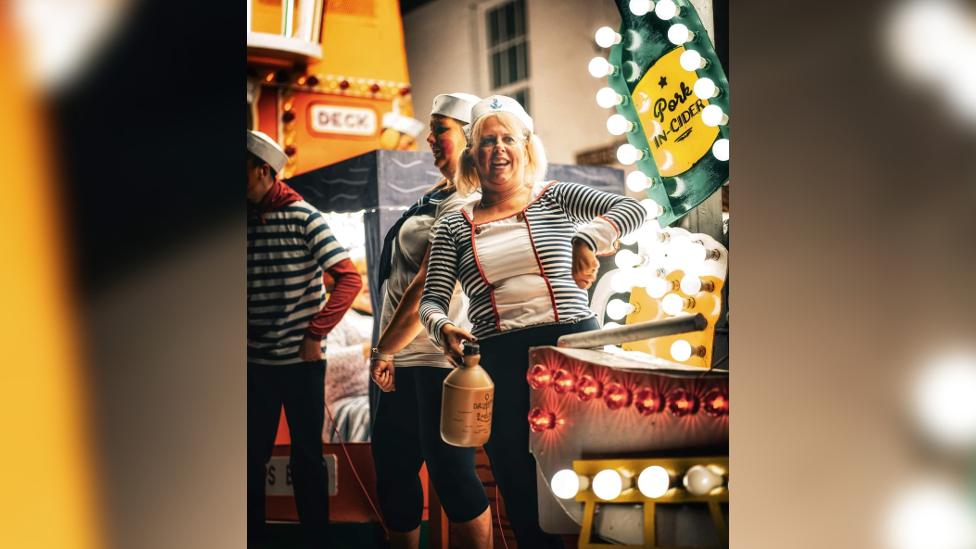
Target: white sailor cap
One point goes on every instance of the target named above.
(403, 124)
(502, 103)
(455, 105)
(262, 146)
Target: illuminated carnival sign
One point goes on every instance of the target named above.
(671, 96)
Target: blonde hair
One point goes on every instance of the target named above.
(468, 180)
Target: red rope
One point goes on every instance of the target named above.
(355, 473)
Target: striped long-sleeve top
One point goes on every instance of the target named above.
(286, 255)
(518, 272)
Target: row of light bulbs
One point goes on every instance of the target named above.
(653, 482)
(616, 395)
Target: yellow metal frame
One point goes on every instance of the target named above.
(676, 495)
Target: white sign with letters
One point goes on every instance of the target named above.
(342, 120)
(278, 481)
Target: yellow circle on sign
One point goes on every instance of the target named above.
(672, 124)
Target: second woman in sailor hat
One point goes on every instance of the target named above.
(411, 370)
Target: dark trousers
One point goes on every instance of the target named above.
(505, 357)
(301, 389)
(407, 433)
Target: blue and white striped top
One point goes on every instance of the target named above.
(557, 213)
(286, 256)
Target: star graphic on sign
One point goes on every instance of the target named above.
(662, 82)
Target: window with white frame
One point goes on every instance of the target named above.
(508, 50)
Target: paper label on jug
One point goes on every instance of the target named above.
(466, 417)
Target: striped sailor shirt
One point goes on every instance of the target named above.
(286, 256)
(522, 276)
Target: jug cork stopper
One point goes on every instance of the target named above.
(471, 348)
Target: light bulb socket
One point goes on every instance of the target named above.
(698, 350)
(712, 254)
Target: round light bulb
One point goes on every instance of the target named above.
(942, 399)
(701, 480)
(608, 484)
(622, 281)
(720, 149)
(712, 115)
(627, 154)
(606, 37)
(600, 67)
(617, 124)
(694, 253)
(566, 484)
(637, 181)
(618, 309)
(641, 7)
(678, 34)
(654, 481)
(626, 259)
(691, 284)
(609, 325)
(657, 287)
(691, 60)
(607, 98)
(652, 208)
(673, 304)
(705, 88)
(681, 350)
(666, 9)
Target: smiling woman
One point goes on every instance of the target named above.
(524, 254)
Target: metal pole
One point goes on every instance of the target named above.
(634, 332)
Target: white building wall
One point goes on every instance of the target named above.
(446, 52)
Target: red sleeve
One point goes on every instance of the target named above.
(347, 286)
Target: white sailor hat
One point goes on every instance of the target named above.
(501, 103)
(262, 146)
(403, 124)
(455, 105)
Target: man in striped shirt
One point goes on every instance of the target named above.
(289, 248)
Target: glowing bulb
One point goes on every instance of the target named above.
(566, 484)
(641, 7)
(588, 388)
(654, 481)
(539, 376)
(652, 208)
(681, 350)
(679, 34)
(647, 401)
(607, 98)
(616, 396)
(694, 252)
(627, 154)
(721, 149)
(600, 67)
(637, 181)
(716, 402)
(673, 304)
(564, 381)
(934, 513)
(611, 325)
(691, 60)
(666, 9)
(705, 88)
(617, 124)
(540, 420)
(657, 287)
(942, 399)
(608, 484)
(713, 115)
(626, 259)
(681, 402)
(623, 280)
(606, 37)
(618, 309)
(701, 480)
(691, 284)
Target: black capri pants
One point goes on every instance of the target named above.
(407, 433)
(506, 359)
